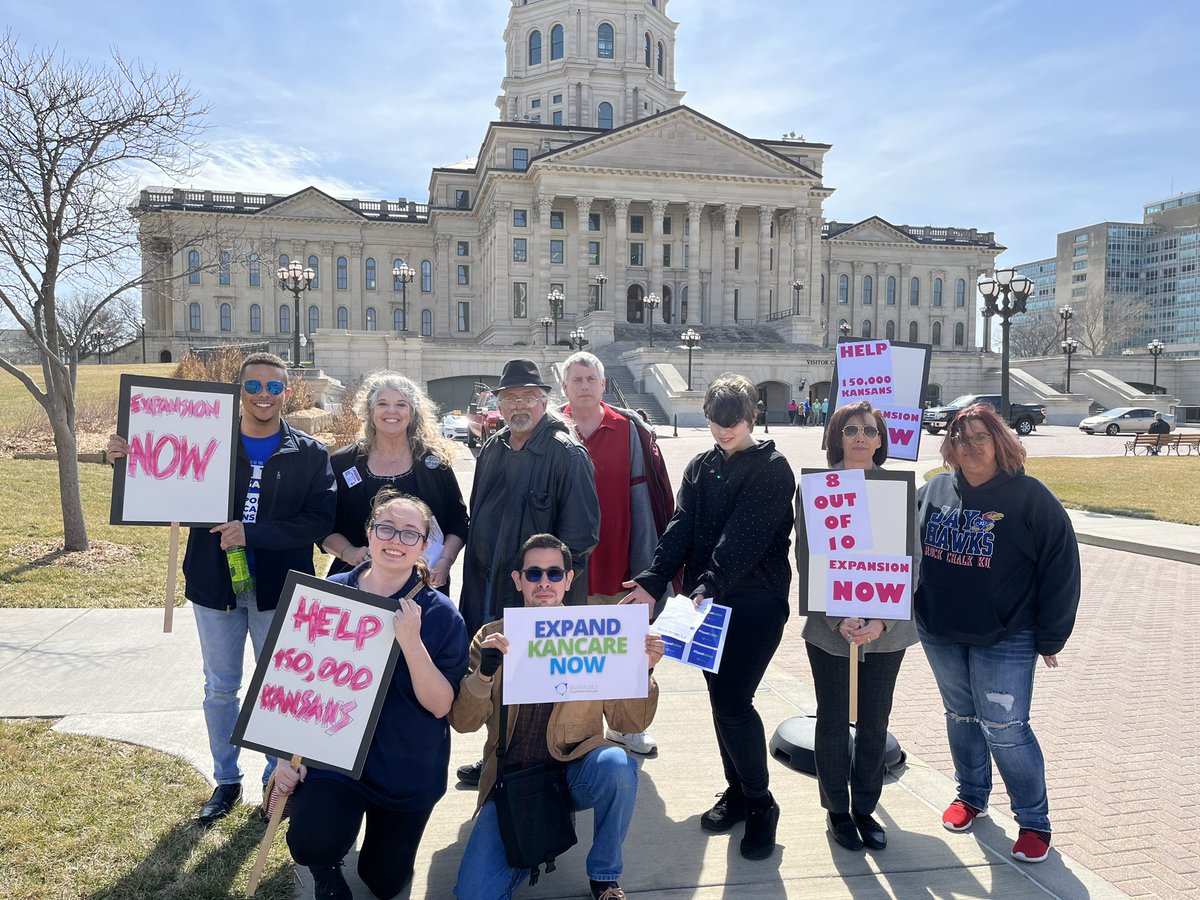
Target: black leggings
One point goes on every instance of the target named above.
(755, 630)
(326, 817)
(845, 788)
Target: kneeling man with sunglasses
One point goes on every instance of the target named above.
(601, 775)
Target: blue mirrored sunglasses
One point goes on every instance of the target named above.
(254, 386)
(534, 574)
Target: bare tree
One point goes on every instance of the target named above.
(1035, 334)
(1106, 322)
(86, 328)
(74, 139)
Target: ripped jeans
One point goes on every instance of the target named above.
(987, 693)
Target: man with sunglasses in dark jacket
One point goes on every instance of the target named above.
(285, 493)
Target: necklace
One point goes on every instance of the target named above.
(389, 478)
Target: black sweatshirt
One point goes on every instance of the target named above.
(732, 527)
(998, 559)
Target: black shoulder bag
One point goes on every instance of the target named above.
(533, 808)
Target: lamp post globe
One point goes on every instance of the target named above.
(1066, 313)
(403, 275)
(1069, 346)
(797, 287)
(295, 279)
(546, 322)
(1004, 295)
(1155, 347)
(577, 339)
(601, 281)
(691, 340)
(652, 302)
(555, 298)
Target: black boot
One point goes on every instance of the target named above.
(762, 818)
(729, 809)
(329, 884)
(470, 774)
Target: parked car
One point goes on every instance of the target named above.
(1023, 417)
(483, 416)
(455, 426)
(1124, 420)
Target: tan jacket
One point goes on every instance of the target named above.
(575, 728)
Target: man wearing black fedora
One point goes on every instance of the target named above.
(532, 477)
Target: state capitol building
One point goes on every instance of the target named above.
(596, 184)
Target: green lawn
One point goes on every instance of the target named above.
(86, 817)
(94, 385)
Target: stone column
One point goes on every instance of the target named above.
(813, 281)
(903, 310)
(766, 215)
(619, 280)
(357, 304)
(443, 275)
(579, 280)
(539, 249)
(658, 209)
(856, 308)
(728, 278)
(695, 217)
(328, 289)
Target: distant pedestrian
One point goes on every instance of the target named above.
(807, 411)
(1158, 426)
(824, 410)
(793, 409)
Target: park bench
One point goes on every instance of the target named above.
(1190, 441)
(1148, 442)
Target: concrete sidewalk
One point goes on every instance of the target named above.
(113, 673)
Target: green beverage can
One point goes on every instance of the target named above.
(239, 570)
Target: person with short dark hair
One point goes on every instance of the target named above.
(999, 587)
(730, 534)
(1158, 426)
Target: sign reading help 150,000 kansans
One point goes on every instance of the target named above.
(322, 675)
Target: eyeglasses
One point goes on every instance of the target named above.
(526, 400)
(534, 574)
(978, 439)
(385, 532)
(254, 386)
(870, 431)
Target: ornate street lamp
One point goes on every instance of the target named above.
(555, 298)
(1065, 313)
(797, 287)
(546, 322)
(1156, 348)
(404, 275)
(98, 336)
(844, 329)
(1004, 295)
(691, 340)
(142, 325)
(1069, 346)
(601, 281)
(652, 302)
(296, 280)
(578, 339)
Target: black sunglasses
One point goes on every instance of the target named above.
(534, 574)
(254, 386)
(869, 430)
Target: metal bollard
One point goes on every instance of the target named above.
(676, 434)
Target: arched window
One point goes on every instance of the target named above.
(396, 282)
(194, 317)
(314, 319)
(535, 48)
(936, 334)
(223, 269)
(960, 334)
(843, 289)
(914, 332)
(868, 290)
(193, 267)
(914, 291)
(866, 328)
(255, 318)
(960, 293)
(255, 271)
(426, 276)
(890, 290)
(556, 42)
(658, 59)
(314, 263)
(604, 115)
(427, 323)
(398, 320)
(634, 310)
(343, 318)
(646, 49)
(284, 261)
(370, 264)
(343, 278)
(369, 318)
(285, 319)
(683, 298)
(889, 332)
(937, 292)
(226, 317)
(604, 41)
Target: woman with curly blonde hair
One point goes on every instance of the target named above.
(399, 448)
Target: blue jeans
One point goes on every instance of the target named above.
(987, 692)
(605, 781)
(222, 648)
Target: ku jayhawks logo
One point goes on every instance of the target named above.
(985, 522)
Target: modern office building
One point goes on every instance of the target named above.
(1044, 274)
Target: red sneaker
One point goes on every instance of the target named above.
(959, 816)
(1031, 846)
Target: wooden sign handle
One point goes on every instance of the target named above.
(854, 682)
(172, 568)
(268, 839)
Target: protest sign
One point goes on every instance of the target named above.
(891, 514)
(898, 393)
(562, 653)
(869, 587)
(322, 676)
(835, 508)
(182, 447)
(694, 637)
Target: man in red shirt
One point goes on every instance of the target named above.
(636, 501)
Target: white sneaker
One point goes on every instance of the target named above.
(642, 743)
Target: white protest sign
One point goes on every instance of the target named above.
(864, 372)
(322, 676)
(694, 637)
(869, 587)
(836, 511)
(902, 408)
(904, 430)
(562, 653)
(182, 447)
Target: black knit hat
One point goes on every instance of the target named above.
(521, 373)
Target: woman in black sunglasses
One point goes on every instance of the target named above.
(857, 439)
(406, 767)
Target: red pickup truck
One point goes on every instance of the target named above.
(483, 416)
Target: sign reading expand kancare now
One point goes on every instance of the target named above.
(561, 653)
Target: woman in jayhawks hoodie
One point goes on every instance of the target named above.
(999, 587)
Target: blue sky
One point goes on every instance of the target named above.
(1027, 118)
